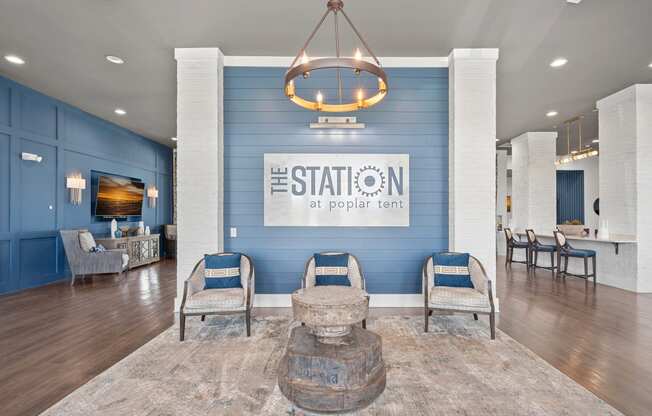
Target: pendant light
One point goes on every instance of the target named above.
(303, 66)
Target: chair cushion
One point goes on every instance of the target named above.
(576, 252)
(452, 270)
(458, 298)
(546, 248)
(215, 300)
(222, 271)
(86, 241)
(332, 270)
(519, 244)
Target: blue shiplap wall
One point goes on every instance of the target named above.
(412, 119)
(31, 253)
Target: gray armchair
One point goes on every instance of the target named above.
(198, 301)
(82, 262)
(477, 300)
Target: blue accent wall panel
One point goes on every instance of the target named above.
(413, 119)
(5, 264)
(570, 196)
(69, 140)
(5, 182)
(5, 105)
(38, 114)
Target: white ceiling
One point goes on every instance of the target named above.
(64, 42)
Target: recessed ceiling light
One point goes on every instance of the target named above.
(595, 141)
(650, 65)
(551, 113)
(14, 59)
(558, 62)
(574, 1)
(120, 111)
(115, 59)
(174, 139)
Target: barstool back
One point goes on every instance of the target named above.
(531, 236)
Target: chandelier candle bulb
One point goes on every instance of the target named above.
(305, 60)
(360, 98)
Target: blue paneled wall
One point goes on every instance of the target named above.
(412, 119)
(33, 199)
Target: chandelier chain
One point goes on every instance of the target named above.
(360, 37)
(312, 35)
(337, 54)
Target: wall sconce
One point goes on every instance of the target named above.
(75, 183)
(152, 196)
(31, 157)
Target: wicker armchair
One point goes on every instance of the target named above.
(355, 274)
(198, 301)
(476, 300)
(82, 262)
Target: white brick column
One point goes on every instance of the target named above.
(626, 171)
(534, 182)
(472, 154)
(501, 197)
(199, 158)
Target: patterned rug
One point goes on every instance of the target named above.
(453, 370)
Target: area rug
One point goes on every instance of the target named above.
(453, 370)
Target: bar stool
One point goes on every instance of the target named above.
(511, 245)
(535, 247)
(566, 250)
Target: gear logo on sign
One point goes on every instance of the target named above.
(369, 181)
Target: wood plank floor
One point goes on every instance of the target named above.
(54, 339)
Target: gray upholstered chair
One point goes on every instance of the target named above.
(198, 301)
(355, 274)
(82, 262)
(477, 300)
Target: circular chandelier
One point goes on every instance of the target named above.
(303, 66)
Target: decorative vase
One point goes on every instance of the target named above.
(603, 232)
(114, 228)
(141, 228)
(118, 234)
(147, 231)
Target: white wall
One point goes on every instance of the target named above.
(534, 182)
(472, 154)
(200, 202)
(590, 167)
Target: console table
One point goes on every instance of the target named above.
(142, 249)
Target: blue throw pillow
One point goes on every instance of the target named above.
(332, 270)
(452, 270)
(222, 271)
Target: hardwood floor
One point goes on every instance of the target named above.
(55, 338)
(602, 339)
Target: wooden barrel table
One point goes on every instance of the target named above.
(330, 365)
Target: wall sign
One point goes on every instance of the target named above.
(337, 190)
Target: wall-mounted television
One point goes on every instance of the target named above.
(118, 196)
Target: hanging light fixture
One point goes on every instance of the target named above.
(580, 153)
(302, 66)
